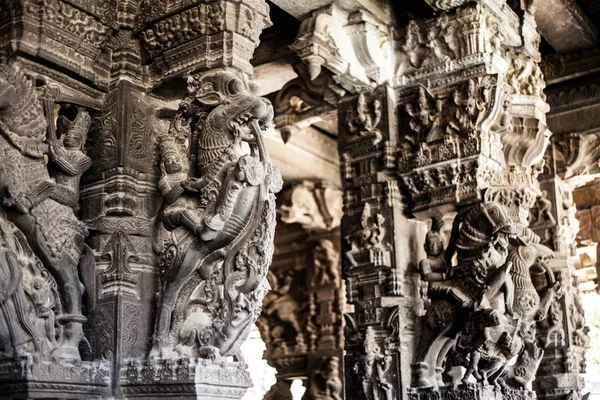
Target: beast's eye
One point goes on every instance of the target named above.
(235, 86)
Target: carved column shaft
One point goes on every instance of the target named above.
(302, 320)
(176, 204)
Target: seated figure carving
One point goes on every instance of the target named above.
(217, 183)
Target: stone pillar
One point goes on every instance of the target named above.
(444, 116)
(177, 196)
(302, 320)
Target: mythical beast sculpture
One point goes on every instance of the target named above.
(35, 203)
(484, 310)
(218, 185)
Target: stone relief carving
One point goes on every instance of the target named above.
(41, 206)
(282, 305)
(354, 46)
(220, 211)
(325, 381)
(373, 369)
(368, 244)
(317, 206)
(492, 289)
(363, 120)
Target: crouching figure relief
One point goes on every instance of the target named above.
(218, 187)
(483, 310)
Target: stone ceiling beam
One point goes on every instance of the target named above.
(382, 9)
(564, 25)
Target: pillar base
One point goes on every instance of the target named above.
(469, 391)
(25, 378)
(197, 379)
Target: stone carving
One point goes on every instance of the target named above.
(284, 308)
(368, 244)
(525, 76)
(280, 391)
(17, 330)
(541, 213)
(326, 259)
(373, 368)
(325, 381)
(492, 289)
(221, 216)
(42, 208)
(445, 5)
(69, 159)
(356, 47)
(315, 205)
(363, 120)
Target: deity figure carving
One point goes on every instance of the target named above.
(369, 240)
(363, 120)
(434, 268)
(373, 368)
(69, 159)
(218, 185)
(35, 203)
(484, 310)
(325, 382)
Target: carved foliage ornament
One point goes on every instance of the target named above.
(220, 210)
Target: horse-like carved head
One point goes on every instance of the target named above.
(230, 103)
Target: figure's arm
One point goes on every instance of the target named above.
(428, 275)
(173, 194)
(78, 167)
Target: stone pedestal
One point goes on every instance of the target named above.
(189, 379)
(26, 378)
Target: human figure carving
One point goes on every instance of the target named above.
(16, 330)
(480, 239)
(280, 304)
(26, 191)
(373, 369)
(326, 263)
(71, 162)
(326, 383)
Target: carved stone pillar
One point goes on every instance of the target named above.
(302, 319)
(563, 334)
(177, 203)
(458, 128)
